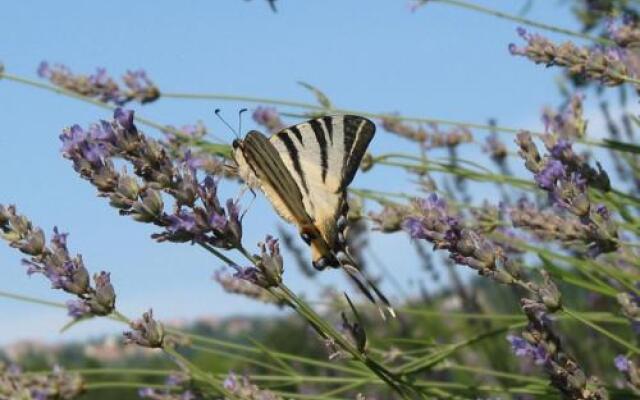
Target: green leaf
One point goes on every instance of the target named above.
(320, 96)
(621, 146)
(73, 323)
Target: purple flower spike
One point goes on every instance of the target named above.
(522, 348)
(78, 309)
(101, 85)
(549, 175)
(43, 70)
(71, 138)
(182, 221)
(124, 117)
(621, 363)
(413, 226)
(559, 148)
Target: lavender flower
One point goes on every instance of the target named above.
(270, 262)
(153, 394)
(567, 177)
(241, 387)
(433, 222)
(390, 218)
(269, 118)
(434, 138)
(58, 384)
(621, 363)
(540, 343)
(146, 332)
(549, 175)
(238, 284)
(630, 371)
(140, 87)
(182, 144)
(393, 124)
(549, 225)
(176, 390)
(569, 122)
(78, 309)
(496, 148)
(630, 306)
(197, 216)
(56, 264)
(101, 86)
(522, 348)
(624, 32)
(592, 64)
(269, 266)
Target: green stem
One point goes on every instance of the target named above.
(216, 384)
(32, 300)
(68, 93)
(575, 315)
(523, 21)
(430, 360)
(227, 97)
(122, 385)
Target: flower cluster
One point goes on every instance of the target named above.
(630, 306)
(197, 215)
(433, 138)
(57, 385)
(566, 177)
(54, 262)
(606, 66)
(175, 390)
(242, 388)
(624, 32)
(183, 144)
(138, 87)
(540, 344)
(390, 218)
(568, 123)
(496, 149)
(432, 221)
(146, 332)
(548, 225)
(234, 283)
(269, 118)
(269, 266)
(630, 371)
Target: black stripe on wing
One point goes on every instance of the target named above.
(293, 153)
(316, 126)
(328, 124)
(266, 163)
(358, 132)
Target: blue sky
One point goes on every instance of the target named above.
(372, 55)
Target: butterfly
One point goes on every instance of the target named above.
(304, 171)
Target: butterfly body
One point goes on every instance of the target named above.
(304, 171)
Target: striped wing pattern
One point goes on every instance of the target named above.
(304, 171)
(323, 156)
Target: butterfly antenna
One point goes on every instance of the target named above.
(243, 110)
(217, 112)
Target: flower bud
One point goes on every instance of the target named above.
(147, 332)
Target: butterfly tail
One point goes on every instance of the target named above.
(366, 286)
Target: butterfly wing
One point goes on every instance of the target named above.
(256, 157)
(323, 156)
(304, 171)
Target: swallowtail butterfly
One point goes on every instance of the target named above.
(304, 171)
